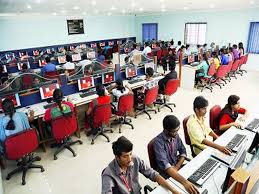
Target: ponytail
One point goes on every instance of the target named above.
(57, 97)
(8, 107)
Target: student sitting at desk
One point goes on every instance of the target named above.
(235, 52)
(200, 134)
(224, 58)
(25, 68)
(48, 67)
(166, 147)
(121, 176)
(103, 98)
(202, 69)
(147, 49)
(166, 60)
(12, 122)
(69, 65)
(216, 59)
(229, 114)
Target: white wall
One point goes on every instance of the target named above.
(222, 26)
(36, 31)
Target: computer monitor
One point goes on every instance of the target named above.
(62, 59)
(108, 77)
(19, 65)
(47, 91)
(14, 97)
(76, 57)
(85, 83)
(110, 43)
(152, 65)
(71, 48)
(131, 71)
(190, 58)
(9, 56)
(93, 45)
(49, 51)
(23, 54)
(90, 55)
(255, 143)
(119, 42)
(42, 62)
(102, 44)
(36, 52)
(60, 49)
(82, 46)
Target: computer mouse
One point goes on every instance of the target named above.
(205, 191)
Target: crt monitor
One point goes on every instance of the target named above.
(62, 59)
(85, 83)
(190, 58)
(14, 97)
(131, 71)
(60, 49)
(9, 56)
(71, 48)
(36, 52)
(47, 91)
(152, 65)
(23, 54)
(19, 65)
(42, 62)
(108, 77)
(76, 57)
(90, 55)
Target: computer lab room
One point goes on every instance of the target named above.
(129, 97)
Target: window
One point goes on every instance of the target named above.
(195, 33)
(253, 38)
(149, 31)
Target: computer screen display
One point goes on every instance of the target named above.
(190, 58)
(82, 46)
(36, 52)
(60, 49)
(42, 62)
(76, 57)
(131, 72)
(49, 51)
(62, 59)
(19, 65)
(9, 56)
(23, 54)
(85, 83)
(14, 97)
(71, 48)
(102, 43)
(47, 91)
(90, 55)
(152, 65)
(108, 77)
(93, 45)
(110, 43)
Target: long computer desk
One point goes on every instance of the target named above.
(214, 182)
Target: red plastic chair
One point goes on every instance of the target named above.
(53, 75)
(27, 81)
(219, 76)
(214, 115)
(234, 68)
(125, 105)
(228, 70)
(159, 54)
(210, 79)
(20, 146)
(242, 61)
(101, 118)
(63, 127)
(149, 99)
(170, 89)
(164, 52)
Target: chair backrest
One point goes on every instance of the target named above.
(212, 69)
(151, 155)
(27, 81)
(222, 70)
(171, 86)
(235, 65)
(186, 135)
(246, 58)
(214, 114)
(18, 145)
(125, 104)
(159, 54)
(63, 126)
(164, 52)
(101, 115)
(150, 95)
(229, 66)
(51, 73)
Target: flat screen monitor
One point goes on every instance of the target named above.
(108, 77)
(19, 65)
(60, 49)
(42, 62)
(49, 51)
(90, 55)
(76, 57)
(190, 58)
(82, 46)
(23, 54)
(85, 83)
(9, 56)
(62, 59)
(47, 91)
(36, 52)
(71, 48)
(14, 97)
(93, 45)
(152, 65)
(131, 72)
(110, 43)
(102, 44)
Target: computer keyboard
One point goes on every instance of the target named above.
(253, 125)
(203, 173)
(87, 93)
(46, 106)
(235, 141)
(133, 81)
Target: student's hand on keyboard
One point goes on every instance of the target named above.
(237, 125)
(225, 150)
(190, 188)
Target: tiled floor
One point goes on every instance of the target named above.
(82, 174)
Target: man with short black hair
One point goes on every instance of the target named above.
(200, 134)
(121, 176)
(166, 146)
(48, 67)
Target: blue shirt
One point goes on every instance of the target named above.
(166, 152)
(224, 59)
(204, 65)
(21, 123)
(48, 67)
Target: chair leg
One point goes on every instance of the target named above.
(101, 132)
(24, 172)
(62, 146)
(105, 136)
(71, 150)
(19, 169)
(145, 111)
(125, 121)
(167, 105)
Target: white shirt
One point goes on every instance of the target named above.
(177, 48)
(69, 65)
(146, 50)
(117, 93)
